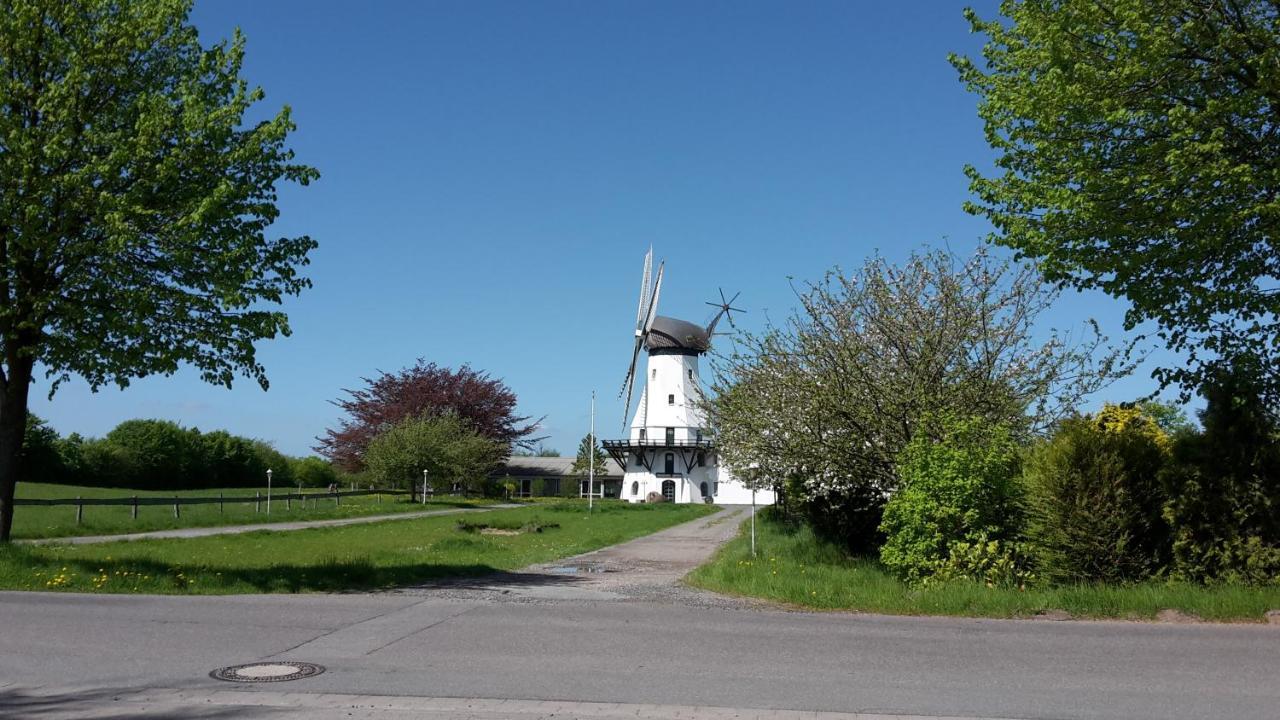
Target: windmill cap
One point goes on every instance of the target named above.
(677, 335)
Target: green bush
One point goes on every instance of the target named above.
(445, 446)
(1094, 499)
(316, 472)
(1224, 490)
(959, 485)
(995, 563)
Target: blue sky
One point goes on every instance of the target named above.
(493, 172)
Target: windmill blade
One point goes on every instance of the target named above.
(653, 303)
(726, 310)
(629, 384)
(729, 309)
(644, 287)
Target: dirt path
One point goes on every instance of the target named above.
(645, 569)
(274, 527)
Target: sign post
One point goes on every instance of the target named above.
(591, 454)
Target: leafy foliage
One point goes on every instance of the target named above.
(1094, 498)
(582, 463)
(162, 455)
(825, 402)
(424, 390)
(959, 484)
(1224, 489)
(994, 563)
(445, 446)
(1137, 153)
(134, 204)
(313, 472)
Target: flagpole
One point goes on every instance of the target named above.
(591, 472)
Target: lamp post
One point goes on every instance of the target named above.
(268, 492)
(424, 486)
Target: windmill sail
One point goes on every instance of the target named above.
(645, 315)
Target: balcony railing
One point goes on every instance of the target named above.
(658, 443)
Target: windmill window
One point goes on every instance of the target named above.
(690, 373)
(702, 461)
(671, 436)
(699, 435)
(671, 399)
(653, 373)
(639, 460)
(635, 489)
(642, 433)
(670, 464)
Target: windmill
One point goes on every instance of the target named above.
(670, 452)
(646, 313)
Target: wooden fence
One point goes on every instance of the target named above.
(177, 501)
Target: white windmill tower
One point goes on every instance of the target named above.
(669, 450)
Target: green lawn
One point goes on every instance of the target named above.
(60, 521)
(357, 557)
(793, 567)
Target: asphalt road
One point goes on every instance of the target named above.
(544, 643)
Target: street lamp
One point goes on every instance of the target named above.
(268, 492)
(424, 486)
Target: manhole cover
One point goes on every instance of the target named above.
(267, 672)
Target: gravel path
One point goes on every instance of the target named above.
(646, 569)
(274, 527)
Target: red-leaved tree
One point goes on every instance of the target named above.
(424, 390)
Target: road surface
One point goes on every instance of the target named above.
(549, 642)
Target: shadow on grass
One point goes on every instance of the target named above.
(23, 703)
(326, 575)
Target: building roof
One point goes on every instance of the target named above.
(670, 333)
(520, 466)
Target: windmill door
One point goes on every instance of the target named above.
(669, 490)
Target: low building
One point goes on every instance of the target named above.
(555, 477)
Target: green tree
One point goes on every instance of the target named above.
(582, 463)
(156, 454)
(1137, 152)
(313, 472)
(824, 403)
(1224, 488)
(959, 484)
(134, 204)
(445, 446)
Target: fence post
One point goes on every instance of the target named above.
(79, 510)
(337, 498)
(134, 509)
(176, 512)
(257, 501)
(288, 501)
(219, 503)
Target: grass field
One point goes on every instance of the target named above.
(60, 521)
(357, 557)
(792, 566)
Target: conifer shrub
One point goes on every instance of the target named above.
(1094, 499)
(959, 491)
(1224, 489)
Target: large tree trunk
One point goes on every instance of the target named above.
(13, 427)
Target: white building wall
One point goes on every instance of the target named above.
(671, 399)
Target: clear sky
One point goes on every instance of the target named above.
(493, 172)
